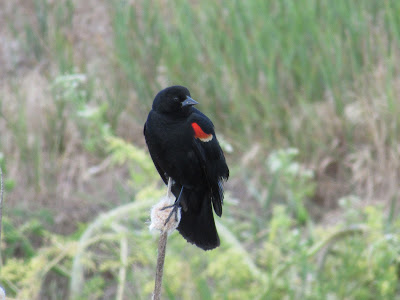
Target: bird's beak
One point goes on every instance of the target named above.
(189, 102)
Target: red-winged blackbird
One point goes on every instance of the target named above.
(183, 146)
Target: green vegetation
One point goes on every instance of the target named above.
(305, 99)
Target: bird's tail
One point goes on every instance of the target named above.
(197, 224)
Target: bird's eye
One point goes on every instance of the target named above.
(176, 99)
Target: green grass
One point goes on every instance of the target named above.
(252, 63)
(305, 91)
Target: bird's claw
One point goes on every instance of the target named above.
(174, 207)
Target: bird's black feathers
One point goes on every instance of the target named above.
(183, 145)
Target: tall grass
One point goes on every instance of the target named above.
(250, 63)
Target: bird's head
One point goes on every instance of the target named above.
(173, 99)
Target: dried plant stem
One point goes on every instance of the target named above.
(162, 246)
(169, 191)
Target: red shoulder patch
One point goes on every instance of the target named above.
(200, 134)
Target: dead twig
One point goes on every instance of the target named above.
(162, 243)
(162, 246)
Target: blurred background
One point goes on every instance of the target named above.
(305, 98)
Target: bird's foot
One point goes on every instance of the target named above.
(174, 210)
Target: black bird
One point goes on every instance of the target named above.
(183, 145)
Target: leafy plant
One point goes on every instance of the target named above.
(293, 181)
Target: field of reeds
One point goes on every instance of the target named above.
(305, 98)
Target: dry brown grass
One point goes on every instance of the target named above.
(44, 178)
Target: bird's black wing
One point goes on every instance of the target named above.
(212, 160)
(160, 171)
